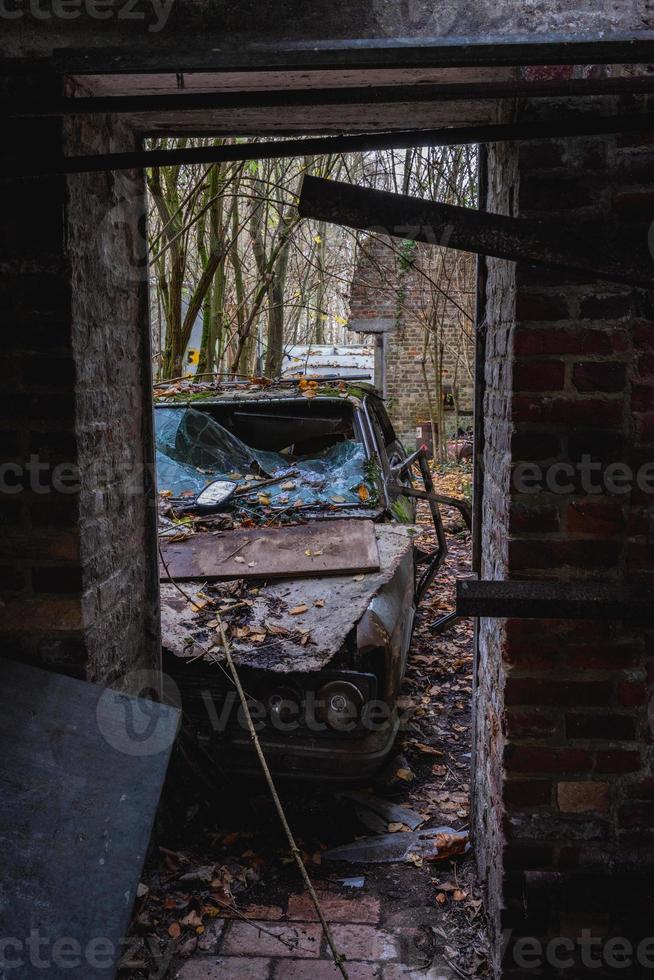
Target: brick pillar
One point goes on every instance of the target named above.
(489, 679)
(564, 793)
(77, 563)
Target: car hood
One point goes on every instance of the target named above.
(334, 606)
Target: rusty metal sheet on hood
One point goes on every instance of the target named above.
(302, 550)
(342, 601)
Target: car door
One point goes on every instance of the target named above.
(401, 495)
(391, 455)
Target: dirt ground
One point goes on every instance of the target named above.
(234, 831)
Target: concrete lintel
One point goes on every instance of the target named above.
(377, 324)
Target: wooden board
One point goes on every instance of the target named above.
(334, 606)
(78, 796)
(302, 551)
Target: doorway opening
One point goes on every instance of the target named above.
(269, 333)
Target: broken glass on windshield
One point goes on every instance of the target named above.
(193, 450)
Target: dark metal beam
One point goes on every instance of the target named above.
(597, 250)
(100, 50)
(359, 95)
(577, 126)
(456, 51)
(553, 600)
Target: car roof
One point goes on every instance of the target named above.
(188, 392)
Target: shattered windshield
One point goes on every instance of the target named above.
(193, 450)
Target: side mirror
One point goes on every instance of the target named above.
(215, 495)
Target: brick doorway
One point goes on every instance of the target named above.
(563, 794)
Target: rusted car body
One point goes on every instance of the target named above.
(324, 698)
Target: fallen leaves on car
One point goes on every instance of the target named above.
(308, 388)
(276, 630)
(363, 493)
(298, 611)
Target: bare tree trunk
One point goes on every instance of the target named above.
(275, 352)
(171, 281)
(321, 286)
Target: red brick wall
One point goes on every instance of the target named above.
(569, 753)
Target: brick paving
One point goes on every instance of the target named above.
(239, 950)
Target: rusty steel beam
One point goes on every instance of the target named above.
(352, 95)
(572, 127)
(552, 600)
(596, 250)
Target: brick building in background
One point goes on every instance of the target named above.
(418, 301)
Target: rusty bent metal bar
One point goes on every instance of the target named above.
(593, 248)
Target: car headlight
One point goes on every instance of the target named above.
(284, 706)
(339, 705)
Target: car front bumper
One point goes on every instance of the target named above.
(342, 759)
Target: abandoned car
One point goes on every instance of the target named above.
(286, 516)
